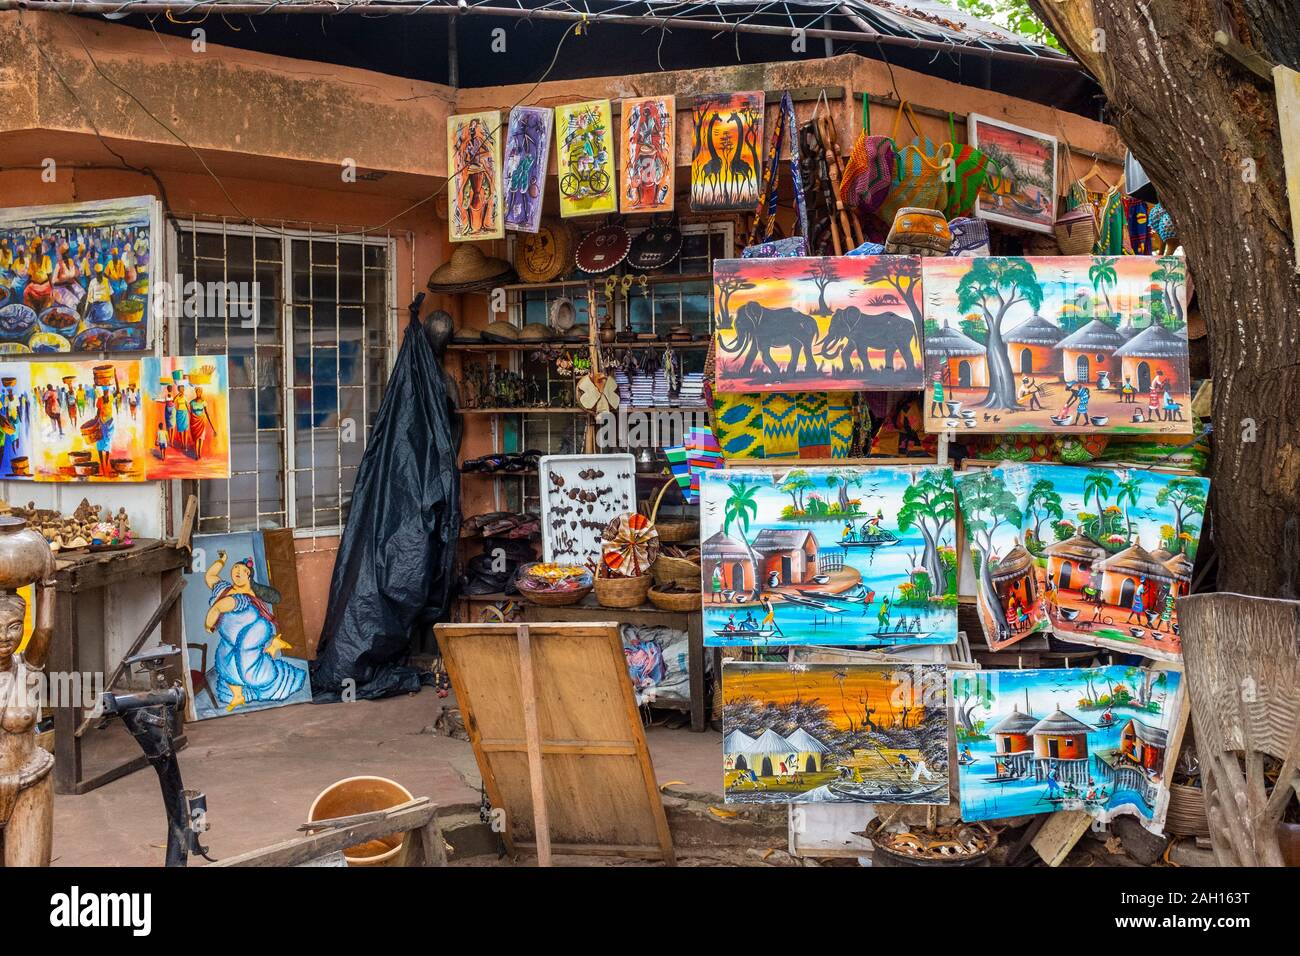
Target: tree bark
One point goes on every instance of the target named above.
(1200, 125)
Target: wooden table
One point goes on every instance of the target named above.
(77, 575)
(692, 622)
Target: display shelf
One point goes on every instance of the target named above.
(562, 343)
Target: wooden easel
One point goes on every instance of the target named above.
(572, 759)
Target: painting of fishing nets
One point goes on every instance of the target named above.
(585, 148)
(1098, 556)
(649, 145)
(851, 733)
(849, 555)
(528, 148)
(474, 176)
(1077, 344)
(836, 324)
(1099, 739)
(727, 152)
(74, 277)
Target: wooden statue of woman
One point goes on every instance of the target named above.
(26, 787)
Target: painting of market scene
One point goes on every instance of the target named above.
(824, 555)
(75, 277)
(1092, 739)
(852, 733)
(1078, 344)
(846, 323)
(1099, 555)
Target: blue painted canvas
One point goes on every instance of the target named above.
(236, 656)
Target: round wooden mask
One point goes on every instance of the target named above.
(603, 249)
(655, 248)
(545, 254)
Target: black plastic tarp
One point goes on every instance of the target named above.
(393, 576)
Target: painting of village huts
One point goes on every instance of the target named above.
(74, 277)
(1092, 739)
(852, 555)
(1020, 187)
(852, 733)
(1104, 554)
(1077, 344)
(846, 323)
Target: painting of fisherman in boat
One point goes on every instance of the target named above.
(1020, 188)
(835, 323)
(1092, 739)
(852, 733)
(1074, 344)
(824, 555)
(1100, 556)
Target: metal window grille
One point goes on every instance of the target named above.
(307, 368)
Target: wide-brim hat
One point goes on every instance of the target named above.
(536, 332)
(545, 254)
(500, 331)
(469, 270)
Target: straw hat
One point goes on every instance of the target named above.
(536, 332)
(499, 331)
(545, 254)
(469, 270)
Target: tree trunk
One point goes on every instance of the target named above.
(1206, 132)
(931, 561)
(1002, 380)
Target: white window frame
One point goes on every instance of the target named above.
(287, 235)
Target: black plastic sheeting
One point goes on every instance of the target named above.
(394, 573)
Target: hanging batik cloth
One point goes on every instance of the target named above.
(765, 215)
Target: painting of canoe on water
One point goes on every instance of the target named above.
(851, 733)
(1100, 556)
(1078, 344)
(847, 323)
(825, 555)
(1020, 189)
(1094, 739)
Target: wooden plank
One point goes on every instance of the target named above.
(1057, 837)
(533, 736)
(1287, 83)
(604, 748)
(302, 849)
(282, 565)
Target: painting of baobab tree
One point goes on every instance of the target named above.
(726, 152)
(851, 733)
(1075, 344)
(848, 323)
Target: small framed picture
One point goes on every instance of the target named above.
(1021, 187)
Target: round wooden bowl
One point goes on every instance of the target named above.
(555, 598)
(622, 592)
(675, 600)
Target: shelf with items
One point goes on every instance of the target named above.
(567, 344)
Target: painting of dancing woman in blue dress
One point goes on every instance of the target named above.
(239, 660)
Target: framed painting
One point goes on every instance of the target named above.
(840, 733)
(850, 323)
(528, 150)
(87, 422)
(74, 277)
(16, 408)
(648, 139)
(585, 149)
(474, 176)
(1099, 739)
(727, 154)
(811, 556)
(1021, 187)
(186, 403)
(1069, 344)
(238, 659)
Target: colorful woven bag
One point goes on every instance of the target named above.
(869, 171)
(970, 168)
(918, 172)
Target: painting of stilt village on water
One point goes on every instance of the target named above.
(1091, 739)
(844, 323)
(1099, 556)
(1078, 344)
(852, 733)
(824, 555)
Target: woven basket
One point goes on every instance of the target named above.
(673, 531)
(623, 592)
(669, 570)
(1186, 816)
(555, 598)
(1038, 244)
(675, 600)
(1076, 232)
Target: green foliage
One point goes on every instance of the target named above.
(1063, 530)
(1013, 15)
(994, 285)
(929, 496)
(976, 329)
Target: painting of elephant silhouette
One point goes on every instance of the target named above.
(852, 332)
(758, 330)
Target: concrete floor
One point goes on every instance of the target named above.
(261, 772)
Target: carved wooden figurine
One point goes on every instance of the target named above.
(26, 787)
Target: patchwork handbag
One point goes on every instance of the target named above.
(918, 171)
(869, 171)
(970, 167)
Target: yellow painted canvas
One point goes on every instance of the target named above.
(474, 176)
(584, 142)
(87, 423)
